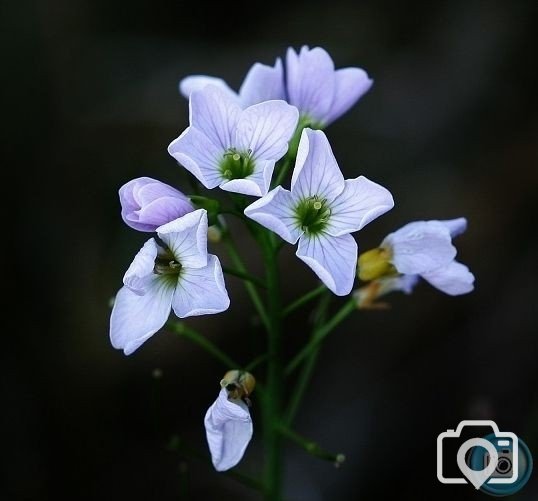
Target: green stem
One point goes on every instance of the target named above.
(321, 333)
(244, 276)
(303, 300)
(311, 447)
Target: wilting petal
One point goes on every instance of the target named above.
(454, 279)
(215, 113)
(194, 151)
(135, 318)
(257, 184)
(455, 226)
(420, 246)
(310, 80)
(228, 429)
(360, 203)
(265, 129)
(139, 274)
(333, 259)
(201, 291)
(197, 82)
(276, 212)
(316, 171)
(350, 85)
(186, 237)
(262, 83)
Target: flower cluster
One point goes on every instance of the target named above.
(245, 143)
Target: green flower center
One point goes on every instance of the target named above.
(236, 165)
(167, 266)
(312, 214)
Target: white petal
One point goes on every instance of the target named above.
(420, 246)
(201, 291)
(257, 184)
(228, 429)
(262, 83)
(360, 203)
(199, 156)
(215, 113)
(333, 259)
(316, 171)
(196, 82)
(138, 275)
(186, 237)
(275, 212)
(455, 226)
(454, 279)
(266, 128)
(135, 318)
(404, 283)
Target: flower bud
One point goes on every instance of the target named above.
(375, 263)
(147, 204)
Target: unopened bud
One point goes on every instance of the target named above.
(375, 263)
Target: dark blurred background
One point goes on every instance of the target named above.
(450, 127)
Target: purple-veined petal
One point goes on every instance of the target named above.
(360, 203)
(276, 212)
(262, 83)
(257, 184)
(454, 279)
(215, 113)
(455, 226)
(201, 291)
(152, 190)
(162, 211)
(186, 237)
(333, 259)
(135, 318)
(420, 246)
(194, 151)
(265, 129)
(139, 274)
(310, 81)
(350, 85)
(228, 430)
(192, 83)
(316, 171)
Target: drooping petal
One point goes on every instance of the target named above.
(420, 246)
(201, 291)
(310, 81)
(316, 171)
(262, 83)
(455, 226)
(228, 430)
(360, 203)
(194, 151)
(265, 129)
(333, 259)
(276, 212)
(196, 82)
(186, 237)
(454, 279)
(257, 184)
(139, 274)
(135, 318)
(215, 113)
(350, 85)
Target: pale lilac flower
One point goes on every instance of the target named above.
(233, 148)
(320, 93)
(175, 273)
(147, 204)
(321, 211)
(228, 430)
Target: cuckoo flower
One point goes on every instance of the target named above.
(320, 93)
(321, 211)
(419, 249)
(233, 148)
(147, 204)
(176, 273)
(228, 429)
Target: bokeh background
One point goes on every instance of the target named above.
(449, 127)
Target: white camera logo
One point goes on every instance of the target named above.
(492, 461)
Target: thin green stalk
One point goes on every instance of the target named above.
(303, 300)
(244, 276)
(311, 447)
(321, 333)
